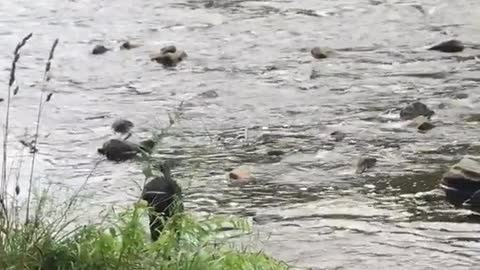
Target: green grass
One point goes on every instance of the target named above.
(185, 243)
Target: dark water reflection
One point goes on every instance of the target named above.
(254, 54)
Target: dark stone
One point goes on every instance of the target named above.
(314, 74)
(275, 152)
(169, 59)
(422, 123)
(209, 4)
(168, 49)
(473, 118)
(338, 136)
(365, 163)
(122, 126)
(451, 46)
(100, 49)
(461, 96)
(319, 53)
(425, 126)
(164, 196)
(147, 145)
(461, 183)
(209, 94)
(127, 45)
(414, 110)
(119, 150)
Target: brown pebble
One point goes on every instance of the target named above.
(241, 175)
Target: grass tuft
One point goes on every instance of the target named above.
(185, 243)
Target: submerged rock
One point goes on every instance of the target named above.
(320, 53)
(147, 145)
(120, 150)
(338, 136)
(461, 96)
(127, 45)
(275, 152)
(168, 49)
(164, 196)
(169, 56)
(365, 163)
(209, 94)
(451, 46)
(461, 183)
(314, 74)
(100, 49)
(241, 175)
(414, 110)
(473, 118)
(422, 123)
(122, 126)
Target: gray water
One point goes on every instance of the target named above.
(308, 205)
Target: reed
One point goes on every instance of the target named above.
(14, 91)
(42, 101)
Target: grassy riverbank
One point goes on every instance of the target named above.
(186, 243)
(32, 238)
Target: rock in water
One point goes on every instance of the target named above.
(169, 56)
(164, 196)
(422, 123)
(365, 163)
(320, 53)
(451, 46)
(241, 175)
(315, 74)
(169, 49)
(100, 49)
(461, 183)
(475, 117)
(338, 136)
(127, 45)
(461, 96)
(147, 145)
(119, 150)
(275, 152)
(209, 94)
(414, 110)
(122, 126)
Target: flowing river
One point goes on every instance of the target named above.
(308, 205)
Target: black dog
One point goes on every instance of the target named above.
(164, 196)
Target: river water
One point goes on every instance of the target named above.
(308, 206)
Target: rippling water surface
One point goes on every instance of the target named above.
(312, 209)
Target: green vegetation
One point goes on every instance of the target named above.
(186, 243)
(45, 241)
